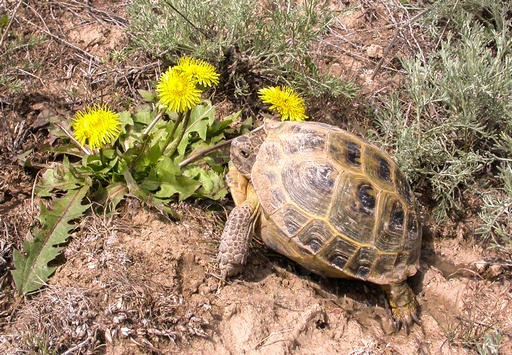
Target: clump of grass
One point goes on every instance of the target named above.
(451, 129)
(17, 50)
(449, 16)
(496, 212)
(473, 335)
(490, 343)
(250, 41)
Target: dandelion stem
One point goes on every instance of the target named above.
(145, 137)
(176, 142)
(153, 123)
(217, 146)
(102, 158)
(204, 152)
(84, 149)
(171, 134)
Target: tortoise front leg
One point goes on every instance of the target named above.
(236, 237)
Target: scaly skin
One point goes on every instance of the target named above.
(237, 234)
(404, 306)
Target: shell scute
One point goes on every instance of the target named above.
(378, 168)
(346, 151)
(290, 220)
(272, 153)
(353, 210)
(361, 263)
(310, 184)
(303, 141)
(403, 188)
(337, 253)
(385, 265)
(413, 232)
(390, 234)
(314, 236)
(270, 180)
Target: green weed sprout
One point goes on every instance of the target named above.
(135, 153)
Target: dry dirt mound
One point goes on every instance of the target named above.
(147, 284)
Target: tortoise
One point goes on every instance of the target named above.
(328, 200)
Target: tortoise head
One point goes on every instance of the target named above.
(244, 150)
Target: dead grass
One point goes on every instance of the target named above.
(102, 297)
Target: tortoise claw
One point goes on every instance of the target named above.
(399, 324)
(415, 318)
(404, 317)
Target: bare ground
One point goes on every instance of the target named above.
(140, 283)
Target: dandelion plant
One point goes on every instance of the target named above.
(136, 152)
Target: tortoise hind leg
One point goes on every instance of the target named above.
(403, 304)
(236, 237)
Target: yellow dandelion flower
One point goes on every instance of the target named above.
(285, 101)
(178, 91)
(96, 125)
(200, 70)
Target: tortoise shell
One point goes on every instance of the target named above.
(335, 204)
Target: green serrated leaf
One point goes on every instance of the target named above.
(147, 197)
(201, 118)
(23, 157)
(32, 270)
(181, 185)
(154, 154)
(144, 115)
(151, 182)
(212, 184)
(147, 95)
(97, 164)
(218, 127)
(167, 177)
(233, 117)
(58, 177)
(126, 119)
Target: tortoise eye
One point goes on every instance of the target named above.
(244, 154)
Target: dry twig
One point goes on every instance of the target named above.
(393, 40)
(12, 16)
(71, 45)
